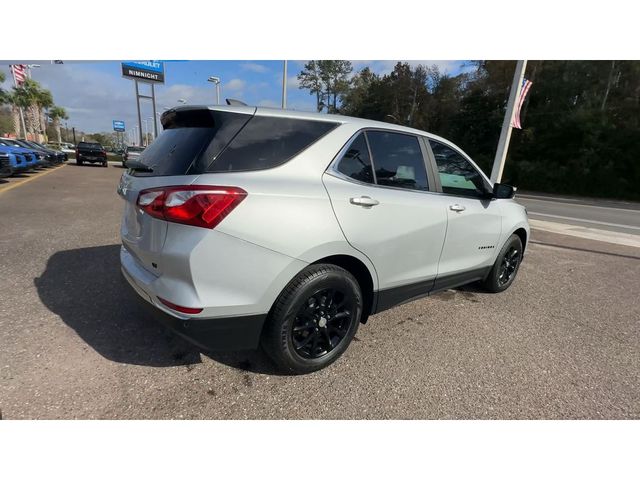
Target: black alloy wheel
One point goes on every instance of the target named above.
(506, 266)
(322, 323)
(313, 320)
(509, 265)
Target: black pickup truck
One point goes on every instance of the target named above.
(91, 152)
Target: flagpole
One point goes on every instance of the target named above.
(15, 83)
(505, 133)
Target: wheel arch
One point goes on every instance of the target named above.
(362, 274)
(522, 234)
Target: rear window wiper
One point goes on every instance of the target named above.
(137, 166)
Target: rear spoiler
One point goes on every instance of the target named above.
(199, 115)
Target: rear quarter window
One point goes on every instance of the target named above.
(266, 142)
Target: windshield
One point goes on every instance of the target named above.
(89, 145)
(10, 143)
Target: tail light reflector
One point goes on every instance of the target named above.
(196, 205)
(179, 308)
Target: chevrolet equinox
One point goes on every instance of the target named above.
(249, 227)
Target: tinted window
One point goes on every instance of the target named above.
(267, 142)
(398, 160)
(189, 141)
(355, 163)
(457, 175)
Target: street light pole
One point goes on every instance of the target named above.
(505, 133)
(144, 141)
(160, 117)
(216, 80)
(284, 85)
(29, 67)
(153, 102)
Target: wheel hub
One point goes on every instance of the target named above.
(322, 322)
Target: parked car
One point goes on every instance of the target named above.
(17, 160)
(54, 156)
(245, 226)
(91, 152)
(131, 152)
(34, 159)
(44, 159)
(5, 165)
(61, 146)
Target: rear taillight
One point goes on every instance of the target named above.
(196, 205)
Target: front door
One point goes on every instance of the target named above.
(474, 221)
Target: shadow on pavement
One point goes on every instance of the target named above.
(87, 164)
(87, 290)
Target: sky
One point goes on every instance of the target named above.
(95, 93)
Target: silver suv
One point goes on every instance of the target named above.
(251, 226)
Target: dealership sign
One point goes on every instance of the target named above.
(118, 125)
(150, 71)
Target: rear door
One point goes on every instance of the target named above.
(474, 220)
(379, 190)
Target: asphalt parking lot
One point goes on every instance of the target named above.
(562, 343)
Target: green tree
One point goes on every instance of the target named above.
(310, 79)
(328, 80)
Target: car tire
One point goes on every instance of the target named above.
(313, 320)
(506, 266)
(78, 162)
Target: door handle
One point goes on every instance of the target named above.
(364, 201)
(456, 207)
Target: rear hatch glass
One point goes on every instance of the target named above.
(190, 140)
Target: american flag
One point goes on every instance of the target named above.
(20, 73)
(526, 85)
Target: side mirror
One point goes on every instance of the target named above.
(502, 190)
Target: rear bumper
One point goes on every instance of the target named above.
(228, 333)
(215, 334)
(92, 160)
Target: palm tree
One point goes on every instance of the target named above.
(44, 101)
(58, 113)
(15, 113)
(26, 97)
(3, 94)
